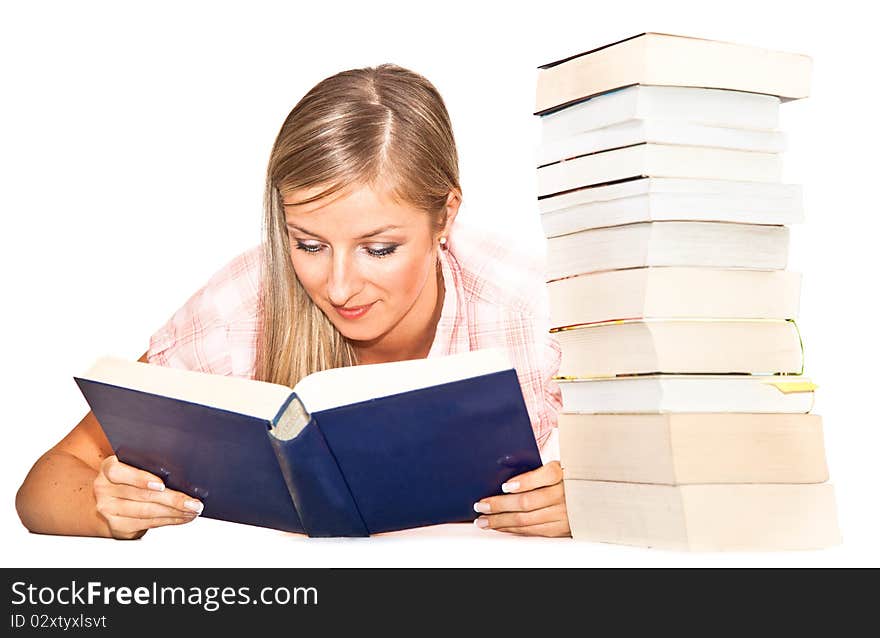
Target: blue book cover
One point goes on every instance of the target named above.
(399, 459)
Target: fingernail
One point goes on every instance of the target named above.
(482, 508)
(510, 487)
(158, 486)
(195, 506)
(481, 522)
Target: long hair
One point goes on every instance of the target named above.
(383, 126)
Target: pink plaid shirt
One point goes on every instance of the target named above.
(494, 298)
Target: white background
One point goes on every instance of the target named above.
(133, 144)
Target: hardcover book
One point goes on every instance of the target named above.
(706, 293)
(672, 60)
(658, 160)
(711, 107)
(650, 199)
(669, 393)
(672, 243)
(716, 517)
(649, 131)
(680, 346)
(678, 449)
(349, 451)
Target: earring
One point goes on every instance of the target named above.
(443, 243)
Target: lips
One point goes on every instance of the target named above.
(353, 312)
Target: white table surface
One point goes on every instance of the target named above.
(210, 543)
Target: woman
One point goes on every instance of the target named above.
(362, 263)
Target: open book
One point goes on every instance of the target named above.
(347, 452)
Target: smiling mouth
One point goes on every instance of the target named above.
(354, 312)
(353, 308)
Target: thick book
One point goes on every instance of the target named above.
(347, 452)
(651, 131)
(678, 449)
(658, 160)
(680, 346)
(672, 60)
(711, 107)
(734, 517)
(648, 199)
(639, 293)
(669, 393)
(672, 243)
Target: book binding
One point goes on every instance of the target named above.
(317, 487)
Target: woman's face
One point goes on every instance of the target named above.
(363, 258)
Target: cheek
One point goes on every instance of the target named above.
(309, 272)
(402, 280)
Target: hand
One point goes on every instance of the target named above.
(133, 501)
(534, 505)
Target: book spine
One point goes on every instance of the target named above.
(317, 487)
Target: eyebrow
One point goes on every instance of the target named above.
(372, 233)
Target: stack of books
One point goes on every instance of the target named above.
(685, 420)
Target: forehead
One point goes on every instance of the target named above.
(356, 208)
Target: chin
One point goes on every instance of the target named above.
(358, 333)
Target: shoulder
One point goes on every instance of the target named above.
(502, 295)
(233, 291)
(499, 275)
(208, 331)
(230, 295)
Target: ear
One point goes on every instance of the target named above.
(453, 202)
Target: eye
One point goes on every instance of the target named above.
(309, 248)
(382, 252)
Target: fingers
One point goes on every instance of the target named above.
(122, 474)
(529, 491)
(548, 521)
(176, 502)
(545, 475)
(119, 480)
(132, 500)
(142, 509)
(553, 529)
(549, 514)
(534, 505)
(523, 502)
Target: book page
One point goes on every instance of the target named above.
(244, 396)
(341, 386)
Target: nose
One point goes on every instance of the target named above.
(344, 282)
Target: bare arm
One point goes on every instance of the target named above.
(57, 497)
(78, 488)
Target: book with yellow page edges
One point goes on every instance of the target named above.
(686, 420)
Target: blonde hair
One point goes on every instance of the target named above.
(383, 126)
